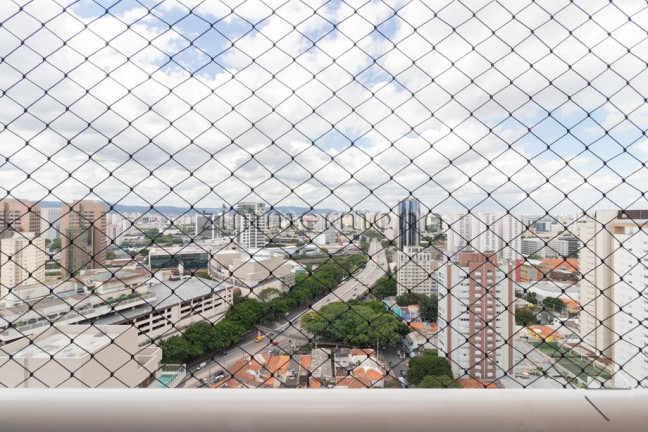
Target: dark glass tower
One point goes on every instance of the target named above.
(409, 223)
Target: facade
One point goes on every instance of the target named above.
(79, 356)
(51, 222)
(416, 271)
(22, 261)
(191, 257)
(630, 308)
(510, 237)
(83, 227)
(20, 215)
(596, 233)
(251, 225)
(476, 316)
(411, 225)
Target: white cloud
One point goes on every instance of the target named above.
(428, 103)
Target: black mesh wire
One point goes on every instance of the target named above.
(297, 194)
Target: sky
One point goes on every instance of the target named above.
(500, 106)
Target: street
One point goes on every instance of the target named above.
(286, 331)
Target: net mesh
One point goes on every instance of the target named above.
(350, 194)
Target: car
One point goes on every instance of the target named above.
(402, 373)
(391, 364)
(219, 377)
(204, 381)
(270, 334)
(287, 313)
(258, 339)
(275, 343)
(201, 365)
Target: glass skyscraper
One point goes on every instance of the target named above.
(409, 223)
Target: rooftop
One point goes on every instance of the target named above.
(62, 345)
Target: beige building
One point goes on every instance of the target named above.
(20, 215)
(83, 236)
(253, 272)
(596, 233)
(22, 261)
(79, 356)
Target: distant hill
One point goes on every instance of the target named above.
(172, 210)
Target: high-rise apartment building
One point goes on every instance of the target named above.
(510, 237)
(630, 306)
(83, 239)
(251, 225)
(51, 222)
(20, 215)
(596, 232)
(476, 316)
(416, 271)
(22, 261)
(410, 223)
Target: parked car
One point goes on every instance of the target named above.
(201, 365)
(402, 373)
(219, 377)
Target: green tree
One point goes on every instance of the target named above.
(55, 244)
(177, 349)
(553, 303)
(442, 381)
(110, 255)
(531, 297)
(384, 287)
(428, 364)
(429, 305)
(525, 316)
(268, 294)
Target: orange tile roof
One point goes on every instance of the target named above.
(545, 332)
(571, 264)
(353, 383)
(368, 373)
(570, 303)
(305, 363)
(474, 383)
(421, 327)
(313, 383)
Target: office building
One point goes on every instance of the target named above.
(476, 316)
(83, 239)
(22, 261)
(191, 257)
(20, 215)
(410, 224)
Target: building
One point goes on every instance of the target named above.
(207, 225)
(22, 261)
(79, 356)
(251, 225)
(597, 232)
(191, 257)
(51, 222)
(416, 271)
(411, 225)
(630, 306)
(476, 316)
(510, 237)
(19, 215)
(83, 236)
(556, 270)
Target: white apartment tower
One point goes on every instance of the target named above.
(416, 271)
(630, 307)
(476, 316)
(22, 261)
(510, 238)
(596, 234)
(251, 225)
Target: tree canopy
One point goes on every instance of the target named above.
(442, 381)
(363, 324)
(385, 287)
(428, 364)
(429, 305)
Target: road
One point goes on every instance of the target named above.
(286, 332)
